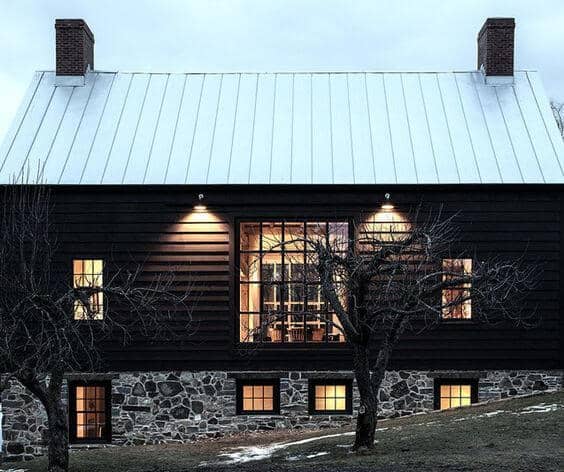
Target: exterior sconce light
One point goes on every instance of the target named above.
(387, 205)
(200, 206)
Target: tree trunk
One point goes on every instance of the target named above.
(58, 442)
(50, 396)
(368, 411)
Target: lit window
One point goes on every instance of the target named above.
(455, 300)
(330, 396)
(258, 397)
(89, 412)
(280, 299)
(88, 273)
(453, 393)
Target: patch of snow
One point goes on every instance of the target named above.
(317, 454)
(244, 454)
(13, 470)
(540, 408)
(489, 414)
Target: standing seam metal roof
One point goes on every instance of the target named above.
(284, 128)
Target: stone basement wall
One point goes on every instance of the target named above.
(165, 407)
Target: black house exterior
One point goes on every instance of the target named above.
(198, 171)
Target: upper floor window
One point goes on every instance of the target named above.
(89, 273)
(455, 300)
(280, 297)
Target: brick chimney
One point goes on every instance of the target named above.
(496, 44)
(74, 51)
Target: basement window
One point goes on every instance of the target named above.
(456, 301)
(258, 397)
(453, 393)
(328, 397)
(90, 412)
(89, 274)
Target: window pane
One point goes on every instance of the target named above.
(329, 403)
(258, 404)
(268, 391)
(257, 391)
(247, 391)
(445, 403)
(454, 402)
(249, 236)
(249, 328)
(269, 404)
(320, 391)
(465, 390)
(455, 390)
(248, 404)
(465, 401)
(340, 390)
(320, 404)
(330, 391)
(445, 390)
(272, 236)
(340, 404)
(294, 236)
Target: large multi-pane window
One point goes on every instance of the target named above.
(89, 411)
(280, 291)
(89, 273)
(456, 301)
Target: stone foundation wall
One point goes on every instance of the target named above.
(164, 407)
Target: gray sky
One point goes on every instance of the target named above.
(275, 35)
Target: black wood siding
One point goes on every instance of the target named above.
(153, 224)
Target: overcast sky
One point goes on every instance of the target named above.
(275, 35)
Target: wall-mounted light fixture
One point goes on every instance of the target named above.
(387, 205)
(200, 206)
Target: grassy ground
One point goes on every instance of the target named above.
(480, 438)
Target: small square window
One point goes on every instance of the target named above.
(330, 397)
(453, 393)
(89, 273)
(258, 396)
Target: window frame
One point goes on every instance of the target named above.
(72, 412)
(104, 304)
(450, 319)
(473, 382)
(275, 383)
(260, 219)
(348, 383)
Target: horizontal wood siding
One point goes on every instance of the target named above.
(156, 225)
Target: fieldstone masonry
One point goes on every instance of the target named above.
(165, 407)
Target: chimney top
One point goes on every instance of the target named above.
(496, 44)
(74, 51)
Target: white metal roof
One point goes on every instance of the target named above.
(284, 128)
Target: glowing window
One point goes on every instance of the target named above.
(330, 397)
(455, 300)
(258, 396)
(89, 273)
(453, 393)
(89, 405)
(280, 296)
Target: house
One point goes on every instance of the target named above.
(199, 170)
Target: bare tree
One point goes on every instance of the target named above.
(558, 112)
(41, 337)
(394, 277)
